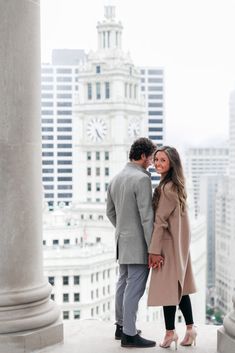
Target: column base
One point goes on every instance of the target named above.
(225, 343)
(29, 341)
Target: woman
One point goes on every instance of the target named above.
(172, 279)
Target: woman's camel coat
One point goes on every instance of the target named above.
(171, 239)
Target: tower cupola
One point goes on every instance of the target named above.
(109, 31)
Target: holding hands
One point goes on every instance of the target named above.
(155, 261)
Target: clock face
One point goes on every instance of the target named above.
(96, 129)
(134, 128)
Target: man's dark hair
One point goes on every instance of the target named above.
(141, 146)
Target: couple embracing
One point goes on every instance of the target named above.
(151, 232)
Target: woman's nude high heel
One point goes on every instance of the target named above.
(190, 337)
(169, 339)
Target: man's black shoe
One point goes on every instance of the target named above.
(118, 332)
(136, 341)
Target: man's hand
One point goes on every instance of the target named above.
(155, 261)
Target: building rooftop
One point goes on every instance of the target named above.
(87, 336)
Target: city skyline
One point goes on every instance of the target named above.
(198, 59)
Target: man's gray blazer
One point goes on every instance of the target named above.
(129, 209)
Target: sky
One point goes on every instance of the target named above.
(194, 40)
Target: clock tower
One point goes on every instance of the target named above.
(109, 113)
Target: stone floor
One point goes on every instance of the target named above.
(93, 336)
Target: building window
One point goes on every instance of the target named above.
(88, 156)
(89, 91)
(107, 90)
(65, 297)
(126, 90)
(92, 312)
(66, 315)
(103, 307)
(106, 171)
(89, 171)
(66, 241)
(76, 314)
(116, 38)
(106, 185)
(76, 279)
(55, 242)
(106, 155)
(97, 276)
(48, 187)
(64, 121)
(51, 280)
(108, 39)
(155, 72)
(92, 278)
(64, 71)
(135, 91)
(64, 154)
(130, 91)
(97, 186)
(88, 186)
(65, 280)
(97, 310)
(97, 156)
(98, 69)
(97, 293)
(92, 294)
(77, 297)
(97, 171)
(98, 92)
(103, 39)
(64, 88)
(64, 96)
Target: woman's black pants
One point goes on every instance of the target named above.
(186, 309)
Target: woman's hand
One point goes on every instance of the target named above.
(155, 261)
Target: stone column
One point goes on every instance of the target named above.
(29, 320)
(226, 334)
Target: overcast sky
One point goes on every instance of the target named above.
(194, 40)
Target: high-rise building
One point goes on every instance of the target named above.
(59, 84)
(152, 89)
(205, 161)
(225, 227)
(205, 166)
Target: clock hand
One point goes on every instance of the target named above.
(97, 133)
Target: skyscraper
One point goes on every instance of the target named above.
(152, 88)
(225, 227)
(59, 84)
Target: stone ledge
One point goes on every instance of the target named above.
(226, 344)
(88, 336)
(30, 341)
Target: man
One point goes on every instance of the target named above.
(129, 208)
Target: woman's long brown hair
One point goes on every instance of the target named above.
(175, 175)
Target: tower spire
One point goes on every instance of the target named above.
(109, 30)
(109, 12)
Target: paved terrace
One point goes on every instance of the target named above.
(89, 336)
